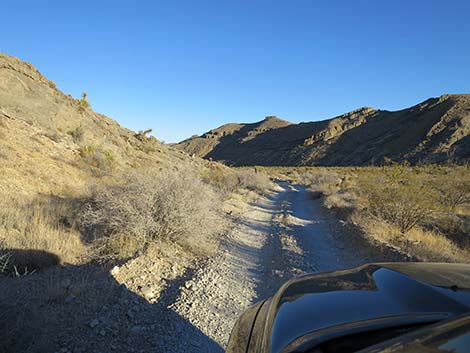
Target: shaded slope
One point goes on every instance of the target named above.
(432, 132)
(218, 143)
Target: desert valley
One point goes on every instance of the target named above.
(113, 241)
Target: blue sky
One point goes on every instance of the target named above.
(184, 67)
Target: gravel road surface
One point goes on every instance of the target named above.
(279, 236)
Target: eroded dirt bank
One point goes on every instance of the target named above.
(278, 237)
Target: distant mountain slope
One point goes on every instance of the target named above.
(223, 138)
(51, 142)
(431, 132)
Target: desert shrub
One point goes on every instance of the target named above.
(170, 205)
(37, 234)
(87, 151)
(253, 180)
(109, 156)
(103, 160)
(340, 200)
(226, 180)
(83, 103)
(146, 142)
(397, 196)
(321, 182)
(222, 179)
(78, 134)
(399, 203)
(453, 193)
(142, 135)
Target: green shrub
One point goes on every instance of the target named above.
(87, 151)
(103, 160)
(83, 103)
(109, 156)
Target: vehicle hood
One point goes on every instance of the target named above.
(316, 306)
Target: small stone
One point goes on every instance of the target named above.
(115, 270)
(94, 323)
(148, 291)
(103, 332)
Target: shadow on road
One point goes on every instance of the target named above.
(84, 309)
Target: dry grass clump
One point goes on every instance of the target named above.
(172, 205)
(426, 245)
(456, 227)
(37, 234)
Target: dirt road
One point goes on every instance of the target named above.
(280, 236)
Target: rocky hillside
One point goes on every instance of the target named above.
(433, 131)
(226, 136)
(51, 142)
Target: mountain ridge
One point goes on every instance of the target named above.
(434, 131)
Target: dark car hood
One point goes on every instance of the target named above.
(313, 307)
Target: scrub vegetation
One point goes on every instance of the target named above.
(422, 210)
(174, 205)
(116, 219)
